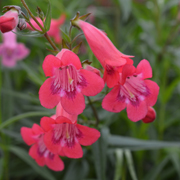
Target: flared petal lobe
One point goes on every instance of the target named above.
(89, 135)
(95, 84)
(50, 64)
(46, 96)
(113, 102)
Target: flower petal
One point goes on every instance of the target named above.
(50, 63)
(62, 119)
(47, 99)
(154, 91)
(95, 84)
(101, 46)
(36, 129)
(55, 163)
(89, 135)
(74, 105)
(27, 135)
(145, 69)
(74, 151)
(50, 144)
(69, 58)
(128, 70)
(112, 102)
(111, 79)
(22, 51)
(46, 123)
(136, 113)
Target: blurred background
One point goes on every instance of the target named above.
(147, 29)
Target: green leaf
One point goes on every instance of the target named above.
(119, 164)
(29, 34)
(137, 144)
(175, 160)
(22, 116)
(47, 22)
(130, 164)
(99, 149)
(77, 170)
(42, 171)
(76, 48)
(20, 95)
(126, 6)
(169, 90)
(65, 36)
(32, 74)
(153, 174)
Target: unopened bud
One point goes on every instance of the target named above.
(150, 116)
(22, 24)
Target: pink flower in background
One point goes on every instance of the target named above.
(104, 50)
(9, 21)
(54, 30)
(65, 137)
(11, 51)
(38, 151)
(68, 82)
(133, 92)
(150, 116)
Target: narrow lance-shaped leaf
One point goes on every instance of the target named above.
(47, 22)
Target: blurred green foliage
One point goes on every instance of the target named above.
(147, 29)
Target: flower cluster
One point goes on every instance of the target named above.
(67, 84)
(65, 88)
(57, 136)
(131, 89)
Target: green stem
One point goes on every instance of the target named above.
(51, 42)
(94, 111)
(31, 14)
(37, 22)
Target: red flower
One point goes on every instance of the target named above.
(65, 137)
(133, 92)
(150, 116)
(38, 151)
(54, 30)
(9, 21)
(68, 82)
(104, 50)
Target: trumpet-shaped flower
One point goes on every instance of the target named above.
(35, 136)
(9, 21)
(68, 82)
(133, 91)
(65, 137)
(11, 51)
(104, 50)
(54, 30)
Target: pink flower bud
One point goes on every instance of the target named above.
(150, 116)
(9, 21)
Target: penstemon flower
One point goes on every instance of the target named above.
(64, 136)
(133, 91)
(35, 136)
(54, 30)
(68, 82)
(104, 50)
(11, 51)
